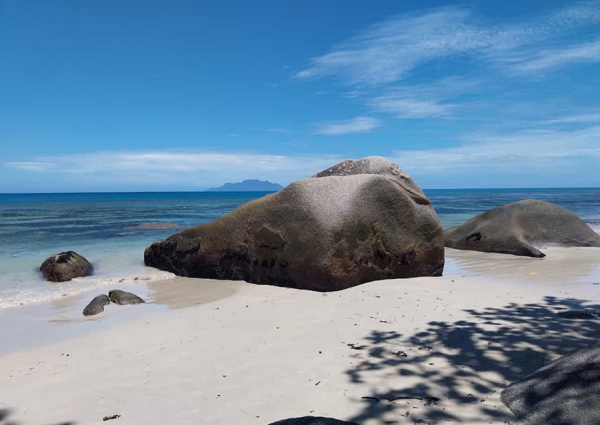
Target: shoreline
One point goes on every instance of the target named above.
(209, 352)
(35, 324)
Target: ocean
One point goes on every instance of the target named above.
(98, 226)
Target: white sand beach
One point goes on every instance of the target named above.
(422, 350)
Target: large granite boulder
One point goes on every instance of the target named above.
(312, 420)
(521, 228)
(354, 223)
(65, 266)
(564, 392)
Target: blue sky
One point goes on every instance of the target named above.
(185, 95)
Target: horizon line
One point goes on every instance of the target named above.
(272, 191)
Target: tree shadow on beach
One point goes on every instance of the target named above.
(5, 419)
(466, 361)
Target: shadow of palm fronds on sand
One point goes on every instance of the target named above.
(455, 370)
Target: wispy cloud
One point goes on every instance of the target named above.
(573, 119)
(516, 159)
(355, 125)
(32, 166)
(424, 101)
(389, 51)
(297, 144)
(528, 150)
(406, 107)
(182, 167)
(278, 130)
(556, 58)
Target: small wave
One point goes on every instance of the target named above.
(50, 291)
(595, 227)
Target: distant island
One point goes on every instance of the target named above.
(248, 186)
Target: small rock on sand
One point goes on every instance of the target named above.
(312, 420)
(123, 298)
(96, 306)
(579, 314)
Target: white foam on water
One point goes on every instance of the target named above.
(42, 291)
(21, 282)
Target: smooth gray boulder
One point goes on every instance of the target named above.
(312, 420)
(521, 228)
(96, 306)
(331, 232)
(377, 165)
(564, 392)
(123, 298)
(65, 266)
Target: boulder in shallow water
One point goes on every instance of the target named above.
(521, 228)
(353, 223)
(96, 306)
(65, 266)
(564, 392)
(312, 420)
(123, 298)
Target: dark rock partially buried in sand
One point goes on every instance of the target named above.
(155, 226)
(123, 298)
(96, 306)
(521, 228)
(353, 223)
(579, 314)
(564, 392)
(65, 266)
(312, 420)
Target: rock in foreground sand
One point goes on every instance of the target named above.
(565, 391)
(312, 420)
(96, 306)
(520, 228)
(353, 223)
(65, 266)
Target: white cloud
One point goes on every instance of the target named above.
(403, 107)
(185, 168)
(529, 150)
(355, 125)
(555, 58)
(424, 100)
(387, 52)
(521, 158)
(32, 166)
(572, 119)
(297, 143)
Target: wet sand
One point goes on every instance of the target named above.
(217, 352)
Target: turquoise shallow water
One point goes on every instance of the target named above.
(34, 226)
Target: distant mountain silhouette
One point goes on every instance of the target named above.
(248, 186)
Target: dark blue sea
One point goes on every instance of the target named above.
(98, 226)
